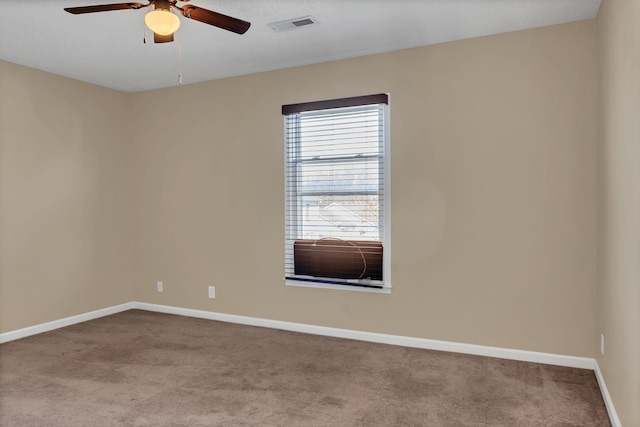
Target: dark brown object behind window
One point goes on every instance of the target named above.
(335, 258)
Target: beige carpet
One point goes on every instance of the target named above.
(139, 368)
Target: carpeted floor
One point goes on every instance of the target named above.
(139, 368)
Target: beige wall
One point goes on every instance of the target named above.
(619, 220)
(493, 192)
(65, 216)
(493, 203)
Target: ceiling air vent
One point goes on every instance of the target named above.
(291, 24)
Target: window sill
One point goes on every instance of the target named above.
(298, 284)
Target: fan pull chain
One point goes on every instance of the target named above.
(179, 58)
(144, 33)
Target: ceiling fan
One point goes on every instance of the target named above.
(163, 22)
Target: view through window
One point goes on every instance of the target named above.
(335, 191)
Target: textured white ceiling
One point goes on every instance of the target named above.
(107, 49)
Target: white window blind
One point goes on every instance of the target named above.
(335, 191)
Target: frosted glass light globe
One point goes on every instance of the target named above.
(162, 21)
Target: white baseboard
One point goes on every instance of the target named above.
(613, 415)
(423, 343)
(428, 344)
(67, 321)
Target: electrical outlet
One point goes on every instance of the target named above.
(212, 292)
(601, 343)
(159, 286)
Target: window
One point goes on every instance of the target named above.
(337, 192)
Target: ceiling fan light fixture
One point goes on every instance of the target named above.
(162, 21)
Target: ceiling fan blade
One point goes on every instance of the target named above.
(159, 38)
(216, 19)
(104, 7)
